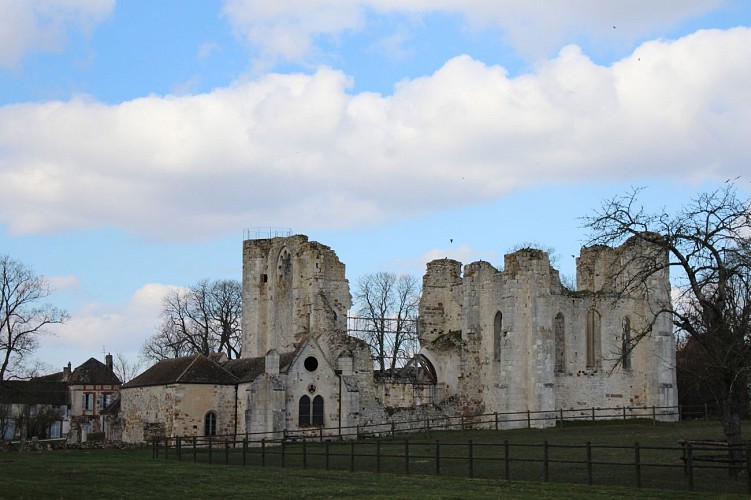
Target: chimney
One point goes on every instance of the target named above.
(66, 372)
(108, 361)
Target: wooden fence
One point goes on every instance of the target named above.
(690, 466)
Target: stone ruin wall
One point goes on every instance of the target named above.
(456, 330)
(457, 315)
(292, 288)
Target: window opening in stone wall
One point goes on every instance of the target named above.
(311, 363)
(318, 410)
(560, 343)
(626, 341)
(284, 264)
(209, 424)
(303, 411)
(497, 335)
(594, 358)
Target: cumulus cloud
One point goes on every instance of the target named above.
(288, 28)
(118, 328)
(302, 151)
(43, 25)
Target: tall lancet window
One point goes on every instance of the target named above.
(497, 336)
(626, 341)
(560, 343)
(594, 349)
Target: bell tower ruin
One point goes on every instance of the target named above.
(292, 289)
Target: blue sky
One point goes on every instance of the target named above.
(139, 139)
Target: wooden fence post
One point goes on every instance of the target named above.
(470, 459)
(593, 414)
(529, 420)
(393, 430)
(496, 420)
(178, 448)
(637, 464)
(589, 463)
(195, 451)
(263, 452)
(210, 450)
(245, 451)
(561, 411)
(166, 447)
(226, 451)
(437, 458)
(506, 460)
(406, 457)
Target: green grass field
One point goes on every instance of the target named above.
(135, 474)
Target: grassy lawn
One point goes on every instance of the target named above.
(134, 474)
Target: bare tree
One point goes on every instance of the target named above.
(202, 319)
(22, 318)
(388, 305)
(706, 244)
(124, 368)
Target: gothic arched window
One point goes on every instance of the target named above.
(304, 411)
(497, 335)
(594, 351)
(318, 410)
(626, 342)
(560, 343)
(209, 424)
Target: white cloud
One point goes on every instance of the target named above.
(42, 25)
(464, 253)
(116, 328)
(288, 28)
(301, 151)
(58, 283)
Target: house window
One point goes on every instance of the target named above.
(88, 400)
(626, 341)
(594, 352)
(560, 343)
(310, 414)
(209, 424)
(497, 336)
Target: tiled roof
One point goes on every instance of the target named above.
(196, 369)
(34, 391)
(93, 371)
(246, 369)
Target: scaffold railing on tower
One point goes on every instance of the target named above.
(263, 233)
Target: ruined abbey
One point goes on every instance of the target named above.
(492, 341)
